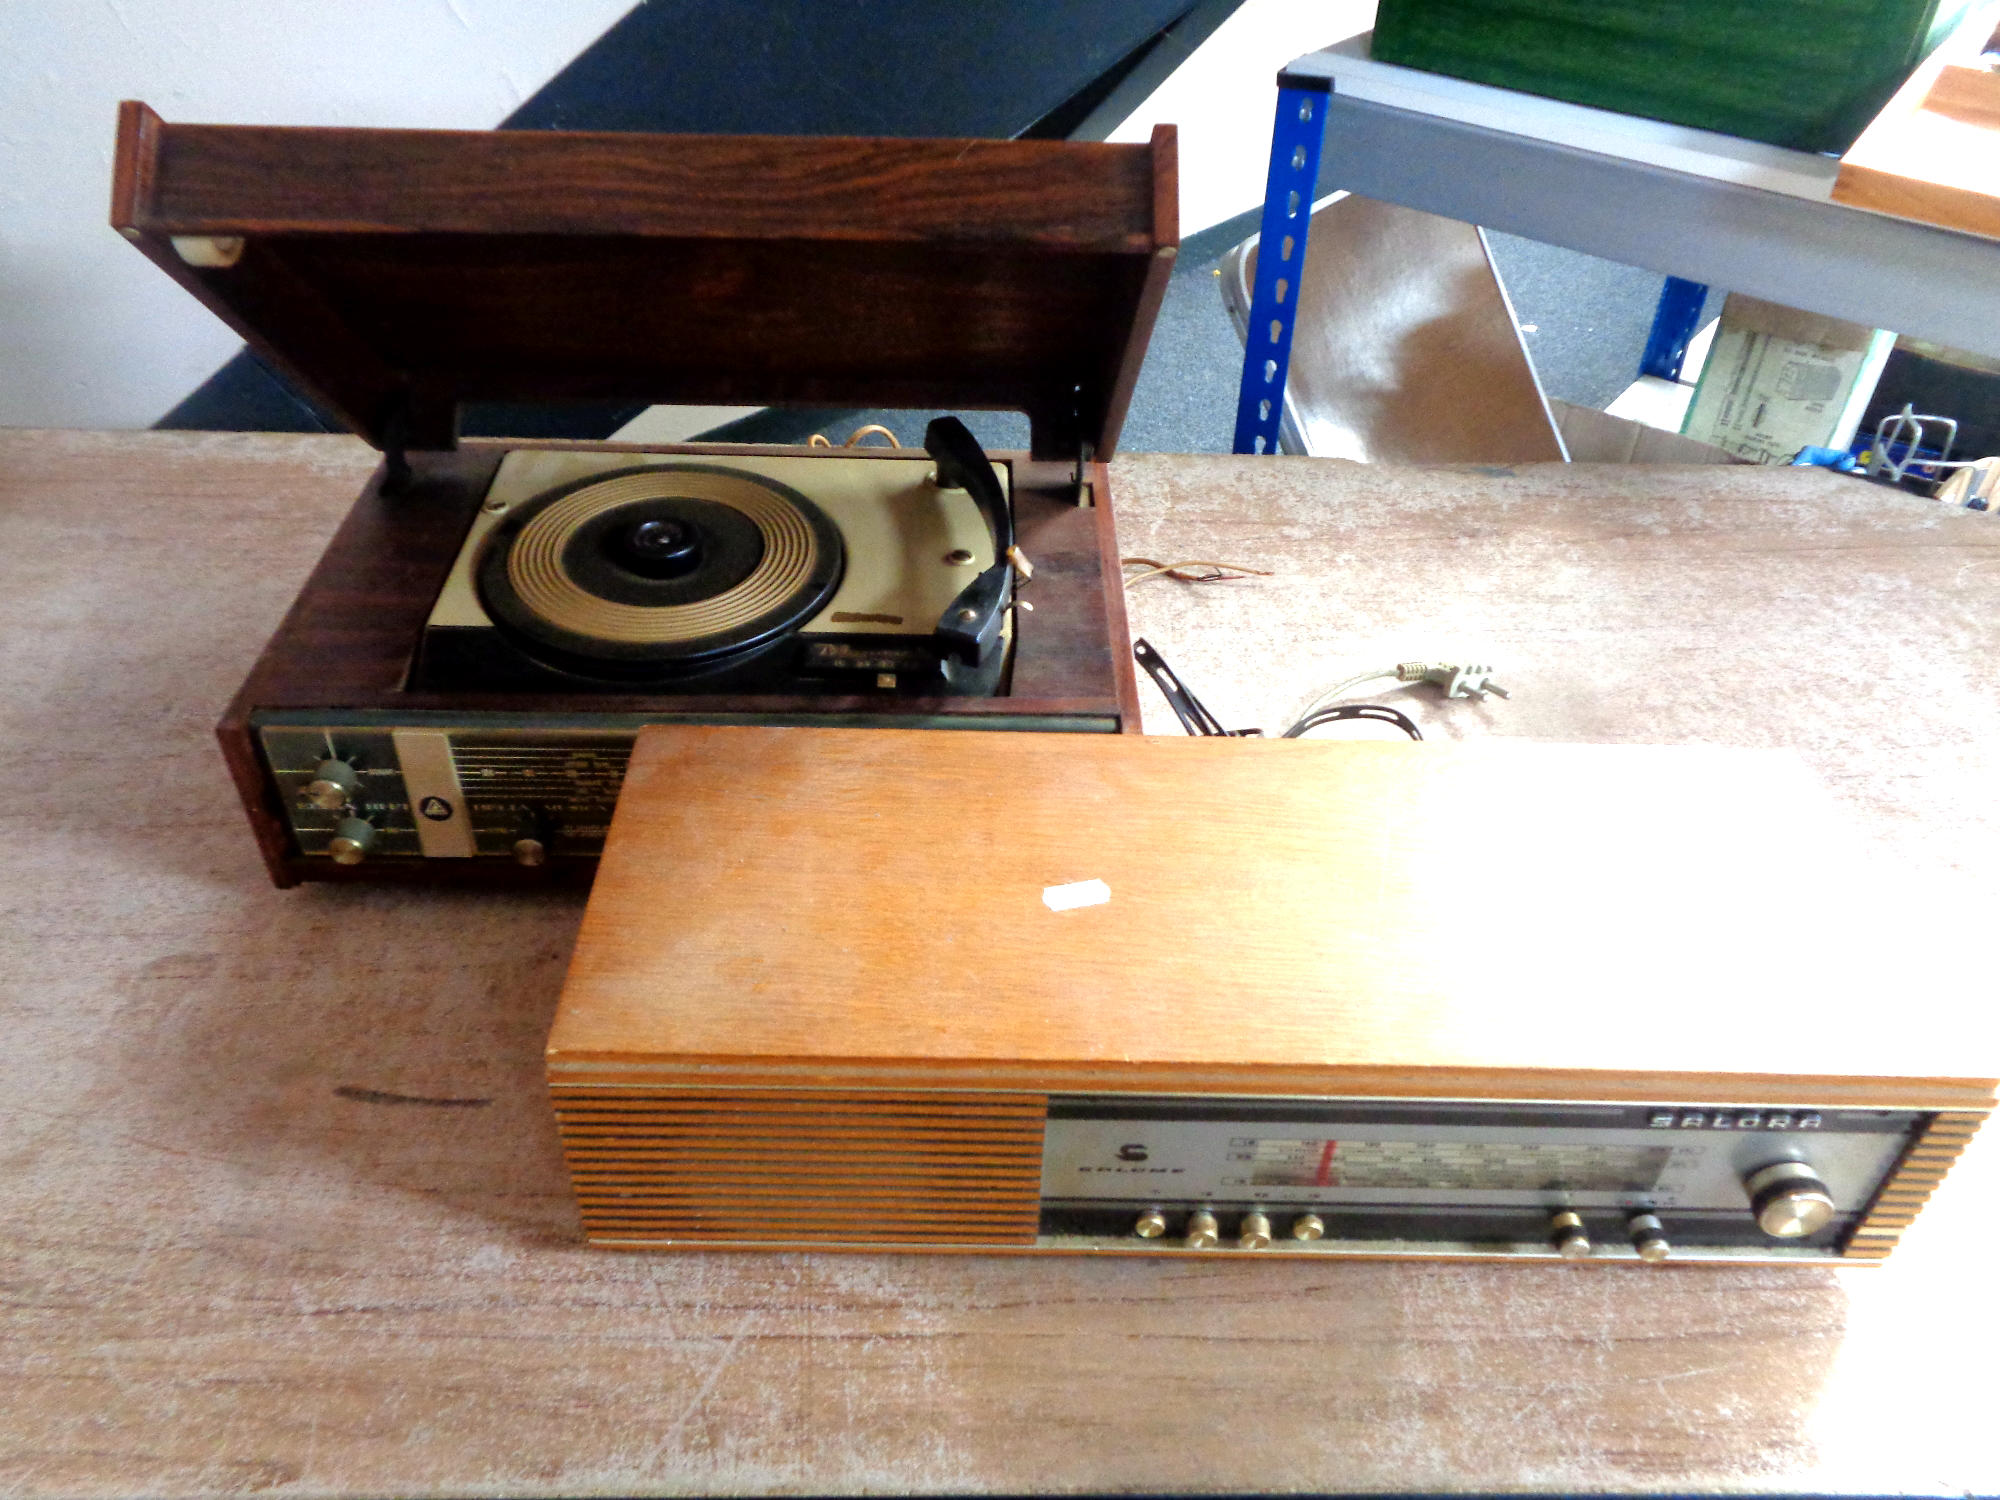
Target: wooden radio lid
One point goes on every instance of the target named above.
(821, 907)
(394, 274)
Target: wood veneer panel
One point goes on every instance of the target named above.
(397, 273)
(1520, 920)
(233, 179)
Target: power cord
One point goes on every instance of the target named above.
(1380, 713)
(1197, 720)
(1470, 681)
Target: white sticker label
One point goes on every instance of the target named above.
(1077, 893)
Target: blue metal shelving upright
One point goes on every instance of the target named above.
(1296, 139)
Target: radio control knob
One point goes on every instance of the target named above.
(531, 839)
(1308, 1227)
(1203, 1233)
(1567, 1234)
(1649, 1237)
(351, 841)
(1152, 1224)
(1789, 1200)
(332, 786)
(1254, 1233)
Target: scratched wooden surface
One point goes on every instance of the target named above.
(282, 1199)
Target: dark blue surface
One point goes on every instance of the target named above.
(1676, 321)
(734, 67)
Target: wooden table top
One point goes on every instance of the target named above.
(284, 1204)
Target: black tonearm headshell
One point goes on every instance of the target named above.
(970, 627)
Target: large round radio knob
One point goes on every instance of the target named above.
(351, 841)
(332, 786)
(1789, 1200)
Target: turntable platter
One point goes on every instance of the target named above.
(662, 567)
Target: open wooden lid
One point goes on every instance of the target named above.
(394, 274)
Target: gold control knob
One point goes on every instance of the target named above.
(1308, 1227)
(1567, 1234)
(1254, 1233)
(351, 841)
(332, 786)
(1789, 1200)
(530, 852)
(1203, 1233)
(1649, 1237)
(1152, 1224)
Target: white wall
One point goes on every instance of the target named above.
(91, 335)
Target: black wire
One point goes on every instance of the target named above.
(1379, 712)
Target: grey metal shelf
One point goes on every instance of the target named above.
(1823, 257)
(1705, 208)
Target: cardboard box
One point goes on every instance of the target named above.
(1778, 380)
(1597, 437)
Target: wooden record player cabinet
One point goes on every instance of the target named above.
(394, 275)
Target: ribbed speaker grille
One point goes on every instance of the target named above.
(782, 1166)
(1916, 1177)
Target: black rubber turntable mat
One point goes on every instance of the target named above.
(999, 69)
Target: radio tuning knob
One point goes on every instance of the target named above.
(351, 841)
(332, 786)
(531, 839)
(1567, 1234)
(1789, 1200)
(1152, 1224)
(1203, 1233)
(1308, 1227)
(1254, 1233)
(1649, 1237)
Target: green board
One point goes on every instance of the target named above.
(1809, 74)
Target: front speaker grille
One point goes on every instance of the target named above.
(767, 1166)
(1916, 1177)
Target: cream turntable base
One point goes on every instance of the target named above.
(1161, 996)
(457, 688)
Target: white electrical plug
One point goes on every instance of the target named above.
(1457, 682)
